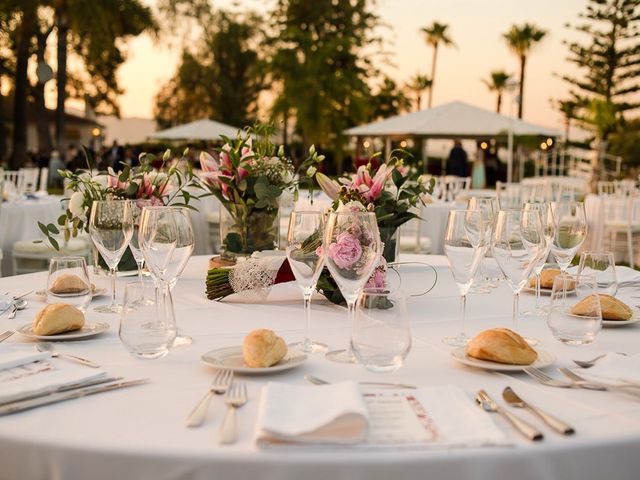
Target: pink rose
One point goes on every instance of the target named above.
(378, 278)
(345, 251)
(320, 251)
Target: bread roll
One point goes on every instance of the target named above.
(612, 308)
(503, 346)
(263, 348)
(68, 284)
(546, 278)
(57, 318)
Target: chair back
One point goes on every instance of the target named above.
(510, 195)
(30, 179)
(13, 182)
(44, 180)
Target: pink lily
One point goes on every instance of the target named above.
(378, 182)
(330, 187)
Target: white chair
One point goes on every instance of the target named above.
(30, 179)
(29, 256)
(13, 183)
(509, 195)
(621, 226)
(44, 180)
(453, 186)
(606, 188)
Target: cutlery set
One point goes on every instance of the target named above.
(17, 303)
(576, 381)
(525, 428)
(236, 397)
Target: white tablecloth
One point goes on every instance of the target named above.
(19, 221)
(139, 433)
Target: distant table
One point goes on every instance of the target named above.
(19, 221)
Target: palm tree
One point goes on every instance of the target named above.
(520, 40)
(434, 35)
(569, 110)
(498, 83)
(418, 84)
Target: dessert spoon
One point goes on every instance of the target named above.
(48, 347)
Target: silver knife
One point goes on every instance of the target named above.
(515, 401)
(63, 388)
(62, 396)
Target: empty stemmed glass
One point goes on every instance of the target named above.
(488, 206)
(518, 242)
(166, 241)
(111, 228)
(571, 231)
(352, 251)
(602, 265)
(464, 247)
(134, 245)
(548, 230)
(306, 258)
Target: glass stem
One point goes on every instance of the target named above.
(140, 264)
(114, 271)
(537, 292)
(306, 345)
(351, 308)
(463, 314)
(516, 301)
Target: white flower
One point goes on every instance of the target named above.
(101, 180)
(287, 177)
(76, 205)
(352, 206)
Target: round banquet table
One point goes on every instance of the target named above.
(19, 221)
(140, 433)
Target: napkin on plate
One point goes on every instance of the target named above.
(626, 275)
(614, 368)
(434, 417)
(28, 378)
(333, 413)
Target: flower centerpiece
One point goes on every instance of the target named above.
(249, 177)
(392, 191)
(166, 185)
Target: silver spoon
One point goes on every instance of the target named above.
(592, 362)
(18, 305)
(48, 347)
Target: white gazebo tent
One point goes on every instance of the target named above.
(199, 130)
(452, 120)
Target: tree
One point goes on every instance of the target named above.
(316, 52)
(418, 84)
(436, 34)
(497, 83)
(569, 110)
(389, 100)
(609, 62)
(221, 79)
(520, 40)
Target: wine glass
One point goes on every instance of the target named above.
(464, 247)
(575, 314)
(134, 245)
(352, 251)
(603, 266)
(548, 229)
(167, 242)
(144, 330)
(488, 206)
(68, 282)
(381, 337)
(306, 258)
(518, 243)
(571, 231)
(111, 229)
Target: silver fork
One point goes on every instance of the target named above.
(545, 379)
(584, 383)
(236, 398)
(5, 335)
(220, 385)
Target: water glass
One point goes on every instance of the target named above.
(147, 326)
(603, 266)
(381, 338)
(548, 229)
(570, 232)
(570, 324)
(489, 208)
(68, 282)
(134, 245)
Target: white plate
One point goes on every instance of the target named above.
(544, 360)
(89, 330)
(621, 323)
(96, 293)
(231, 358)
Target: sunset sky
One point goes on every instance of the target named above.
(476, 27)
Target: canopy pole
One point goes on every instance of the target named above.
(387, 147)
(425, 155)
(510, 153)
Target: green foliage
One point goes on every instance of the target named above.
(626, 143)
(389, 100)
(220, 78)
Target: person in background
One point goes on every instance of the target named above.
(457, 163)
(55, 164)
(478, 174)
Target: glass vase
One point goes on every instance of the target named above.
(246, 229)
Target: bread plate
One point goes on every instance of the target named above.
(89, 329)
(544, 360)
(621, 323)
(96, 292)
(231, 358)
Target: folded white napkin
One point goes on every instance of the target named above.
(5, 302)
(434, 417)
(36, 377)
(333, 413)
(615, 368)
(627, 275)
(13, 357)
